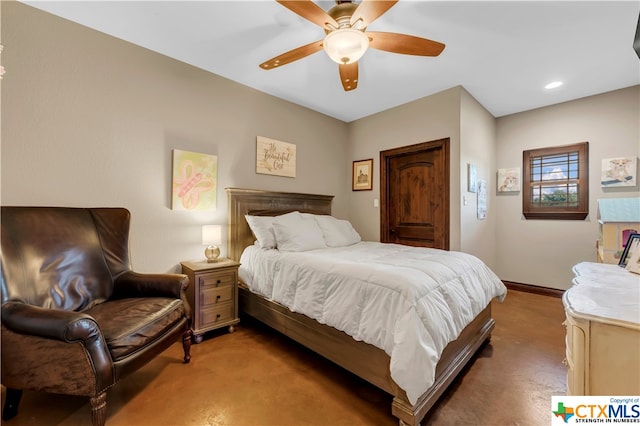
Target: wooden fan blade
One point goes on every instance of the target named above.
(370, 10)
(349, 76)
(292, 55)
(310, 11)
(405, 44)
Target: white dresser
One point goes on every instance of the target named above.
(603, 331)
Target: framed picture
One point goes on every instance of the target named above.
(275, 157)
(633, 261)
(509, 179)
(619, 171)
(633, 241)
(472, 176)
(194, 181)
(482, 199)
(362, 175)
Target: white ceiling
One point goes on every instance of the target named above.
(502, 52)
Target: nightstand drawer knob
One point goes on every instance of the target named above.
(217, 298)
(218, 282)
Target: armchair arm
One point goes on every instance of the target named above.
(64, 326)
(67, 326)
(133, 284)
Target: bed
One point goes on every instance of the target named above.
(336, 345)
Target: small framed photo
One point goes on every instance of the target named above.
(633, 261)
(362, 175)
(632, 242)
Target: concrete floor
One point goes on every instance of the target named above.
(257, 377)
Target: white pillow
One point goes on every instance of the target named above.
(295, 232)
(262, 228)
(337, 232)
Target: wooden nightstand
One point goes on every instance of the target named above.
(213, 295)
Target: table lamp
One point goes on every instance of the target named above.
(211, 237)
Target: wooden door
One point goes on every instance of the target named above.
(414, 191)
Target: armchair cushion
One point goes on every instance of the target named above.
(131, 324)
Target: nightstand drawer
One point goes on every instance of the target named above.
(217, 279)
(219, 313)
(213, 295)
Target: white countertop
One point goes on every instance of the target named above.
(605, 291)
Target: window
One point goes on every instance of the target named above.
(556, 182)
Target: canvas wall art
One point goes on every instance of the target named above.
(472, 177)
(194, 181)
(482, 199)
(619, 171)
(509, 179)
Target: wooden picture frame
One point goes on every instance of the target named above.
(634, 240)
(362, 175)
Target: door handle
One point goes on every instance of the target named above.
(393, 231)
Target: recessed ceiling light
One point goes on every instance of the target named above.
(553, 85)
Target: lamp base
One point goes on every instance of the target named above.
(212, 253)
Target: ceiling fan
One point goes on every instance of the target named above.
(346, 38)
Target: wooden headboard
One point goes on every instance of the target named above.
(245, 201)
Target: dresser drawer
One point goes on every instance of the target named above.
(213, 295)
(216, 279)
(216, 314)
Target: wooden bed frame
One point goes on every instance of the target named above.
(328, 341)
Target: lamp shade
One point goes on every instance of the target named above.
(211, 234)
(345, 45)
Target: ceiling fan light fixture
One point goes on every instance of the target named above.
(345, 45)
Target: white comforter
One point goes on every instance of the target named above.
(410, 302)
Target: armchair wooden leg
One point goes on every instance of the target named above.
(11, 403)
(99, 409)
(186, 345)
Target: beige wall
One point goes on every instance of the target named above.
(542, 252)
(423, 120)
(477, 146)
(453, 114)
(90, 120)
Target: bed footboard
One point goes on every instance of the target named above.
(454, 358)
(341, 349)
(329, 342)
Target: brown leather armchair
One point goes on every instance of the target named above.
(75, 317)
